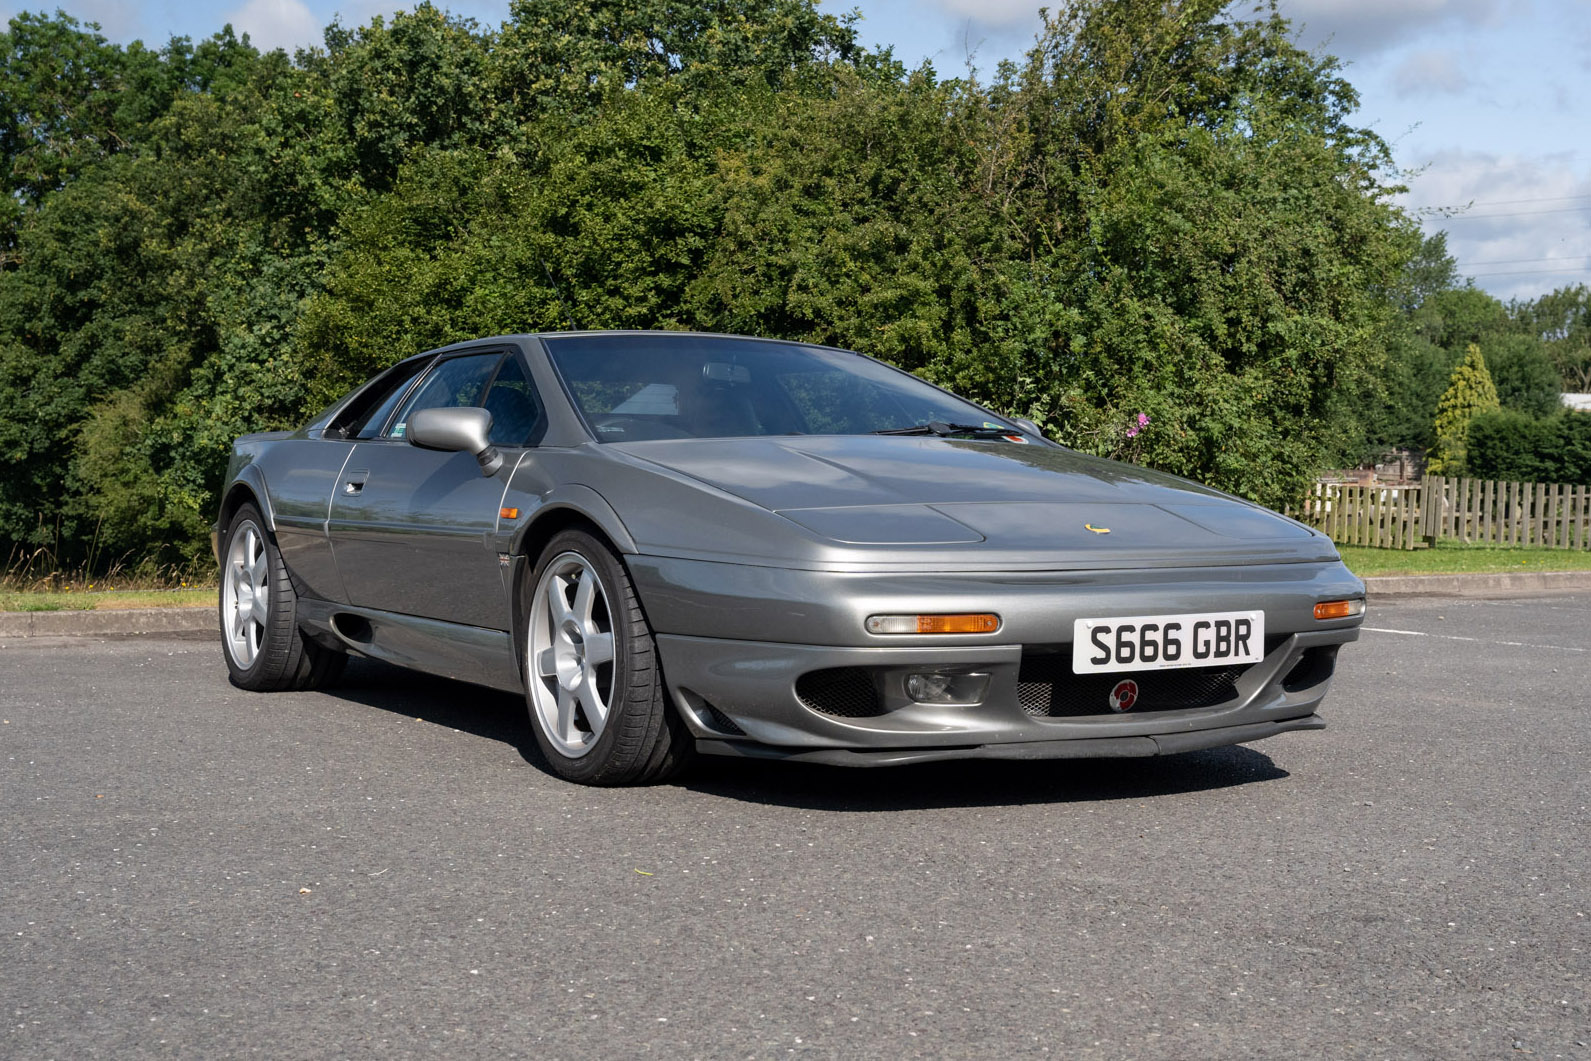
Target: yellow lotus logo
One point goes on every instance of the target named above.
(1096, 530)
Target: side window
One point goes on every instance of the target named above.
(365, 419)
(456, 381)
(513, 405)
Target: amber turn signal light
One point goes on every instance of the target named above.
(1339, 609)
(508, 513)
(981, 623)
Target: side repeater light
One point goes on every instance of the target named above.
(1339, 609)
(981, 623)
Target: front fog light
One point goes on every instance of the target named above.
(934, 688)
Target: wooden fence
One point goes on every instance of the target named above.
(1549, 515)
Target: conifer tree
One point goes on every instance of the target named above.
(1469, 393)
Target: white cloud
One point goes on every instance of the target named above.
(1355, 28)
(277, 24)
(1431, 72)
(1524, 223)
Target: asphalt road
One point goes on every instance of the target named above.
(190, 870)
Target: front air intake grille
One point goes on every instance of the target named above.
(1047, 688)
(722, 722)
(1315, 666)
(845, 692)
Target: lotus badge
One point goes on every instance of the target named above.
(1096, 530)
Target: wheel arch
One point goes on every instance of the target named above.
(568, 508)
(247, 488)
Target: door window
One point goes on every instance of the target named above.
(456, 381)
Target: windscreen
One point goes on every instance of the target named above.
(638, 387)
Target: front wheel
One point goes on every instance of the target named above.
(264, 649)
(598, 705)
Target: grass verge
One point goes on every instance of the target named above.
(1451, 558)
(101, 600)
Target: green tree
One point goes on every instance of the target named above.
(1205, 237)
(1526, 378)
(1562, 320)
(421, 79)
(145, 321)
(1440, 317)
(1164, 212)
(1470, 392)
(567, 55)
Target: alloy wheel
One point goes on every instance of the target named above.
(571, 653)
(246, 594)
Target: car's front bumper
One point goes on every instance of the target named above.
(748, 692)
(745, 695)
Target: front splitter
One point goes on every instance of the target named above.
(1087, 748)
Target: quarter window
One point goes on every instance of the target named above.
(372, 410)
(513, 405)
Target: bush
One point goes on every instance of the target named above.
(1517, 447)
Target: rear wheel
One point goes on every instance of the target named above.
(264, 649)
(598, 705)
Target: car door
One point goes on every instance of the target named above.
(303, 475)
(412, 529)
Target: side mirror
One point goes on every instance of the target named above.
(1027, 425)
(458, 428)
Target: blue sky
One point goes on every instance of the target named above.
(1487, 103)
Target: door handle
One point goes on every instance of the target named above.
(354, 482)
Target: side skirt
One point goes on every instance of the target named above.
(448, 650)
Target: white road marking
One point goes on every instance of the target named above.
(1455, 637)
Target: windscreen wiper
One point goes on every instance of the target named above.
(944, 430)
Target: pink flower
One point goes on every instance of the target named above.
(1143, 422)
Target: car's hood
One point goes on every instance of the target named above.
(994, 497)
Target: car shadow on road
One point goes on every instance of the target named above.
(979, 783)
(502, 717)
(457, 705)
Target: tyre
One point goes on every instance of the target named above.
(598, 705)
(264, 649)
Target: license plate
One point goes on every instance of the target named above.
(1167, 642)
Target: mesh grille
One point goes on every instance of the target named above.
(1047, 688)
(721, 721)
(847, 692)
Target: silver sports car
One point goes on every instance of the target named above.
(674, 543)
